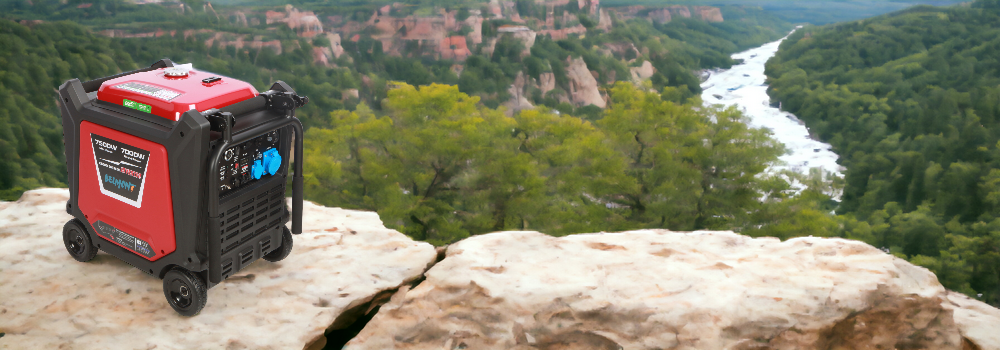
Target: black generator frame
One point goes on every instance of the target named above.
(194, 147)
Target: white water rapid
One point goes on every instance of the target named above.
(744, 86)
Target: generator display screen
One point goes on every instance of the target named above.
(245, 163)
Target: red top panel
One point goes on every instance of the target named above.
(159, 93)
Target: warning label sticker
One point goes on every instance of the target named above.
(121, 169)
(126, 240)
(146, 89)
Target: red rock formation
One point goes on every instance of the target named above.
(274, 17)
(208, 7)
(349, 94)
(449, 19)
(495, 10)
(118, 33)
(454, 48)
(604, 20)
(335, 47)
(560, 34)
(274, 44)
(239, 43)
(320, 56)
(426, 29)
(518, 101)
(553, 2)
(546, 82)
(660, 15)
(643, 72)
(241, 19)
(708, 13)
(583, 86)
(476, 23)
(190, 32)
(304, 22)
(678, 10)
(31, 22)
(663, 15)
(521, 33)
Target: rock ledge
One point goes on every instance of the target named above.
(50, 301)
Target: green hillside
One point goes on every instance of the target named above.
(910, 102)
(34, 62)
(45, 42)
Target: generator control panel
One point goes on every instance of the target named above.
(245, 163)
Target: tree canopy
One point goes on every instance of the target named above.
(441, 167)
(910, 102)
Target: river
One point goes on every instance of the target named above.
(744, 86)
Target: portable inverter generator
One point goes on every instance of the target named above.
(181, 173)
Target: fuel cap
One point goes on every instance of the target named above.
(175, 72)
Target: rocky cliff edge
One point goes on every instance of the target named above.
(651, 289)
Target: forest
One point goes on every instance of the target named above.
(35, 59)
(439, 166)
(911, 102)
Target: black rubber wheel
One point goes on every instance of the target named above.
(185, 292)
(286, 247)
(78, 242)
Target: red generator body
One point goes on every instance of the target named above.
(181, 173)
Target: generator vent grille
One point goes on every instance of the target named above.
(249, 213)
(265, 245)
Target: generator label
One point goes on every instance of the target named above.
(150, 90)
(137, 106)
(121, 169)
(124, 239)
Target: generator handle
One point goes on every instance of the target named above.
(92, 85)
(214, 243)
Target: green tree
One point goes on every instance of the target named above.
(696, 168)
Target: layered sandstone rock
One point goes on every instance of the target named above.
(679, 10)
(546, 82)
(349, 94)
(322, 56)
(454, 48)
(561, 34)
(50, 301)
(523, 34)
(660, 15)
(518, 101)
(583, 86)
(241, 19)
(708, 13)
(604, 20)
(643, 72)
(223, 39)
(335, 47)
(657, 289)
(304, 22)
